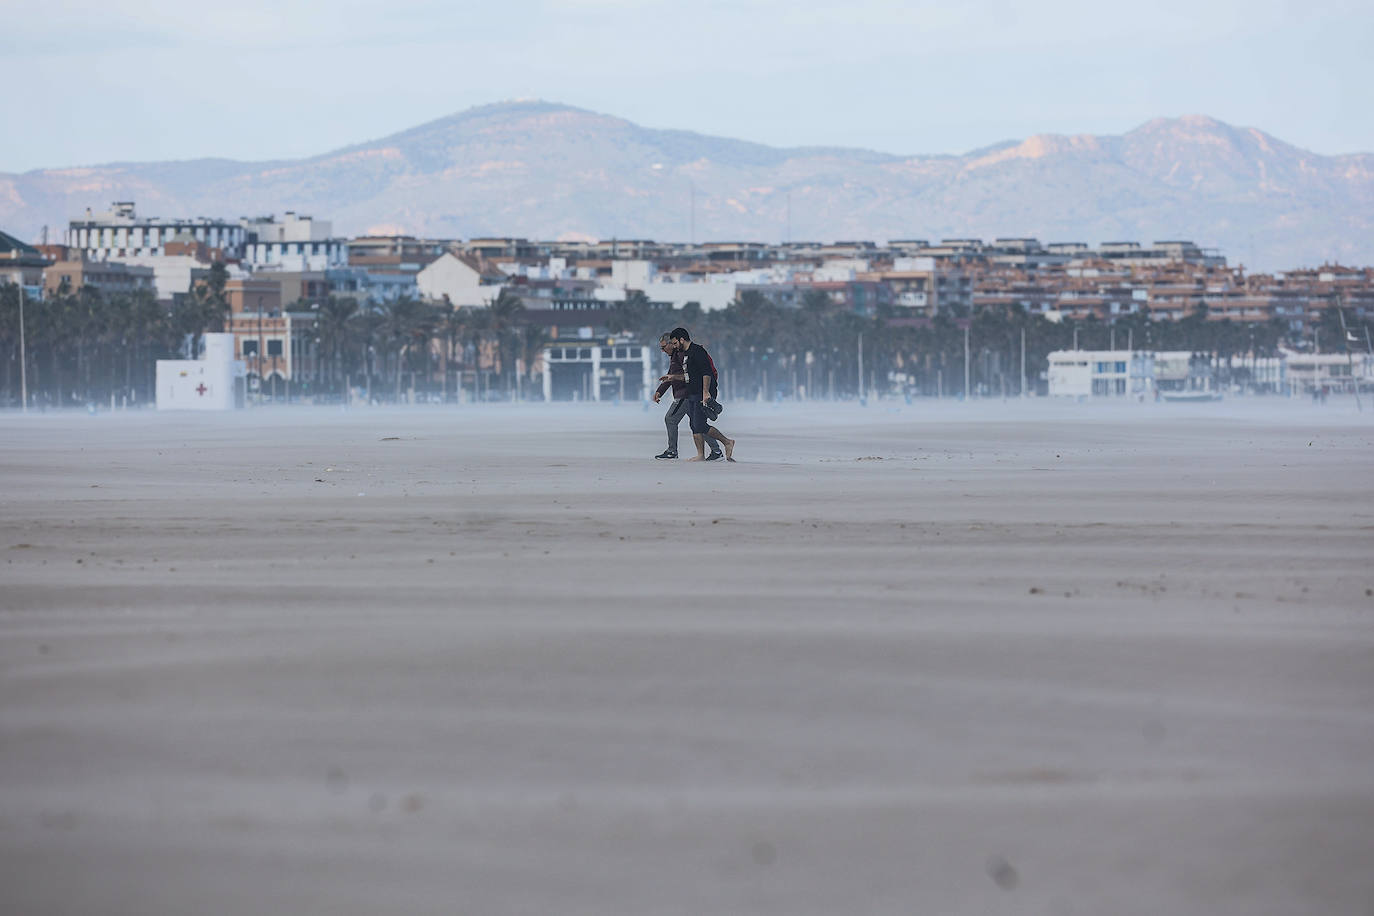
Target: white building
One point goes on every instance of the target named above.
(1100, 373)
(296, 243)
(1183, 370)
(293, 243)
(459, 279)
(633, 274)
(216, 381)
(121, 233)
(1334, 371)
(588, 371)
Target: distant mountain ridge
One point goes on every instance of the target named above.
(544, 170)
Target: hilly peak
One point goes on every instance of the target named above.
(1204, 131)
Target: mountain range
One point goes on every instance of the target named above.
(542, 170)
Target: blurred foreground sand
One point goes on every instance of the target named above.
(904, 659)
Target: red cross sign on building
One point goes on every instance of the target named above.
(201, 389)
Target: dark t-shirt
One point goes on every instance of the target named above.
(696, 364)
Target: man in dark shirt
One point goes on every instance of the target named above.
(699, 373)
(678, 409)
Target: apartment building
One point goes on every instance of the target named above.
(22, 265)
(293, 243)
(120, 232)
(110, 277)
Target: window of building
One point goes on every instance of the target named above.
(274, 348)
(249, 347)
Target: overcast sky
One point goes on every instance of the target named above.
(126, 80)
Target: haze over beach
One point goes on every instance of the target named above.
(345, 568)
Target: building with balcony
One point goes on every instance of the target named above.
(294, 243)
(22, 265)
(120, 232)
(110, 277)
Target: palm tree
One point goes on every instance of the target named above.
(404, 324)
(504, 315)
(210, 304)
(335, 323)
(532, 340)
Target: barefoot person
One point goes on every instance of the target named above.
(678, 409)
(698, 373)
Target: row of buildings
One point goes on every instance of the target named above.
(280, 267)
(1186, 375)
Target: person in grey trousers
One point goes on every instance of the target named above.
(678, 408)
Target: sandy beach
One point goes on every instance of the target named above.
(1041, 658)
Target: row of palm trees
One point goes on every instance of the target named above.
(87, 347)
(83, 347)
(438, 347)
(766, 350)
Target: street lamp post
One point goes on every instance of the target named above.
(23, 359)
(1023, 362)
(259, 353)
(966, 391)
(861, 367)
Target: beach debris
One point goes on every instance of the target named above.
(1002, 873)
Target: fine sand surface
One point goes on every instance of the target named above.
(916, 659)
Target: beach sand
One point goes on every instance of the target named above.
(930, 658)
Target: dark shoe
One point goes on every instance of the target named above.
(715, 456)
(668, 453)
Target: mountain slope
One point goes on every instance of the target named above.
(543, 170)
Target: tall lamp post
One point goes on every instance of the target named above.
(23, 359)
(259, 353)
(967, 394)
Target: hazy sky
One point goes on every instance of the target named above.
(142, 80)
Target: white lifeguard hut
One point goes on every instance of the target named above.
(216, 381)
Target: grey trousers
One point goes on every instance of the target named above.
(676, 412)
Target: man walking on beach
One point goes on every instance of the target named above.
(699, 374)
(678, 409)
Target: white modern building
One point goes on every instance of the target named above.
(216, 381)
(1183, 370)
(1307, 372)
(293, 243)
(588, 371)
(120, 233)
(1100, 373)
